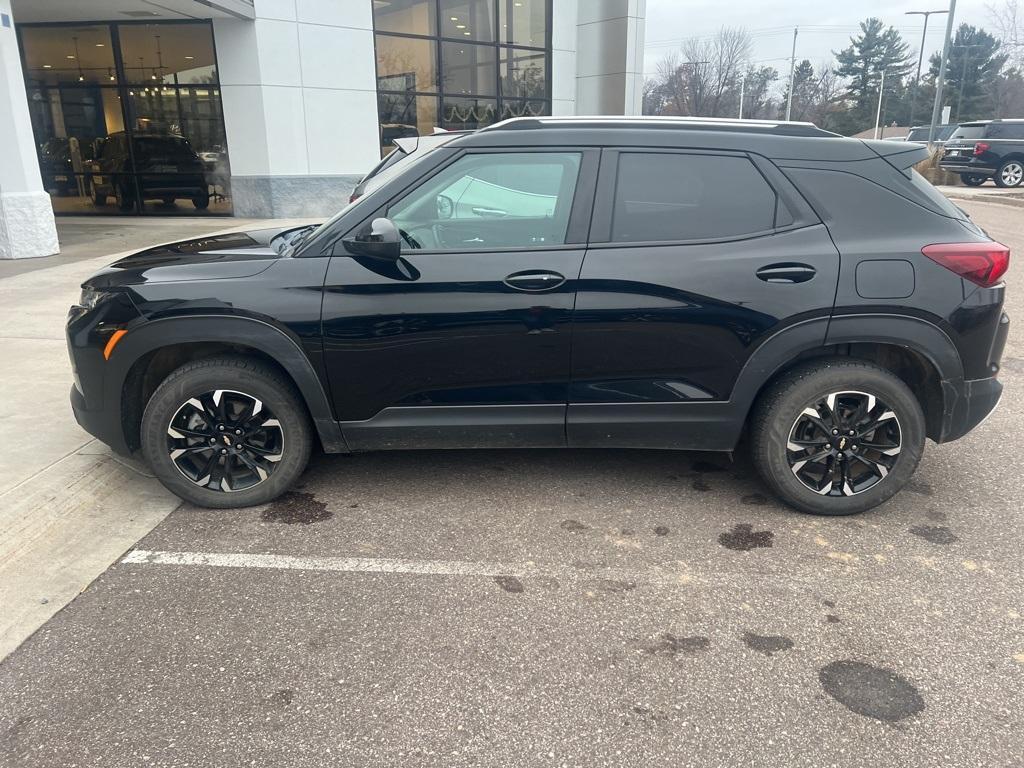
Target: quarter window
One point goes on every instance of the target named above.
(494, 200)
(673, 197)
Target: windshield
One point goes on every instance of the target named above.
(969, 132)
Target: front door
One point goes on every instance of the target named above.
(465, 340)
(695, 259)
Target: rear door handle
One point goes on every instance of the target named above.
(786, 273)
(534, 280)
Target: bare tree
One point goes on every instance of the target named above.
(1008, 20)
(703, 78)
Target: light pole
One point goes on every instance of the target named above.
(792, 74)
(743, 83)
(920, 58)
(881, 93)
(937, 106)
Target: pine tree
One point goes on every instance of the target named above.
(975, 62)
(876, 50)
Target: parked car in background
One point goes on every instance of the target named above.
(406, 149)
(987, 149)
(919, 133)
(166, 169)
(57, 166)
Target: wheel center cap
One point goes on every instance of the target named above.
(227, 440)
(841, 444)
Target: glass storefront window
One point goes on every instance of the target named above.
(58, 55)
(406, 17)
(167, 54)
(471, 19)
(469, 114)
(406, 64)
(523, 74)
(469, 69)
(459, 63)
(404, 115)
(524, 22)
(132, 121)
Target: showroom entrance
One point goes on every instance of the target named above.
(127, 117)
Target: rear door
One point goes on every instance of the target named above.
(695, 258)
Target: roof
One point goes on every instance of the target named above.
(997, 120)
(774, 127)
(885, 132)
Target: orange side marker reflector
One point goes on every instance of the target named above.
(112, 342)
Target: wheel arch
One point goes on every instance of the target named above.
(152, 350)
(914, 350)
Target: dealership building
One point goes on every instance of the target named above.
(273, 108)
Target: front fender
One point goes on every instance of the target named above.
(277, 343)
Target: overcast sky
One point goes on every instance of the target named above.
(826, 25)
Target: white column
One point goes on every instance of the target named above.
(564, 18)
(610, 57)
(298, 84)
(26, 216)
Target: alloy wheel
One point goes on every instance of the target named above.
(1012, 174)
(844, 444)
(225, 440)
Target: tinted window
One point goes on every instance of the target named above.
(968, 132)
(499, 200)
(671, 197)
(1006, 131)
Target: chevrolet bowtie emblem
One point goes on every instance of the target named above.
(842, 443)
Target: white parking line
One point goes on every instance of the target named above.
(372, 565)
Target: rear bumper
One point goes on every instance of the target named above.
(962, 167)
(973, 402)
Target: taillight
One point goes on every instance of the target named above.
(981, 263)
(980, 147)
(353, 197)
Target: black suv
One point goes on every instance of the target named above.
(167, 169)
(986, 149)
(553, 282)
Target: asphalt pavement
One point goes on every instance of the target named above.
(554, 608)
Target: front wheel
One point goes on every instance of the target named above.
(972, 179)
(201, 202)
(837, 437)
(226, 432)
(1010, 174)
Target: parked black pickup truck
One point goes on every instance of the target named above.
(987, 149)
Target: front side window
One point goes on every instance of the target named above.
(494, 200)
(676, 197)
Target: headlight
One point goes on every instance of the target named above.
(91, 297)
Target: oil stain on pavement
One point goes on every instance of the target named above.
(743, 538)
(936, 534)
(870, 691)
(297, 508)
(767, 644)
(667, 644)
(510, 584)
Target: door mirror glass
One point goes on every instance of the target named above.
(381, 240)
(445, 207)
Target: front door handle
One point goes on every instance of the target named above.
(534, 281)
(786, 273)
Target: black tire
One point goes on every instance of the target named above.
(201, 202)
(98, 198)
(779, 411)
(125, 199)
(237, 376)
(1010, 174)
(167, 200)
(972, 179)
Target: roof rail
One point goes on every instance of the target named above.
(773, 127)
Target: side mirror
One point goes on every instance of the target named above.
(381, 240)
(445, 207)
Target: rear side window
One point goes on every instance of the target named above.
(1005, 131)
(969, 132)
(673, 197)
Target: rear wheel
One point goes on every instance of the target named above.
(98, 198)
(837, 437)
(226, 432)
(125, 198)
(201, 202)
(972, 179)
(1010, 174)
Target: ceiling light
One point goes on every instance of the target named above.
(465, 33)
(81, 78)
(460, 26)
(455, 18)
(47, 66)
(69, 56)
(518, 5)
(189, 58)
(99, 45)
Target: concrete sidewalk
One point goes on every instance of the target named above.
(68, 506)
